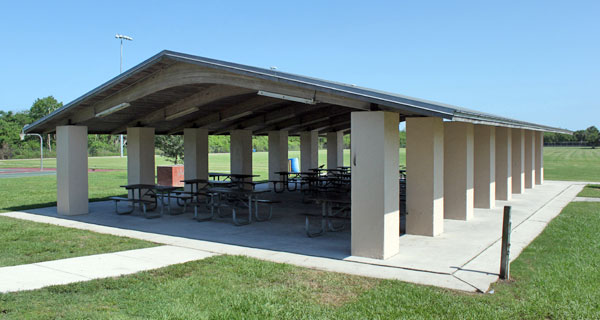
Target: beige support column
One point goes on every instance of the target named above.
(529, 159)
(278, 153)
(241, 152)
(375, 200)
(195, 150)
(539, 157)
(485, 166)
(518, 161)
(335, 149)
(309, 150)
(140, 155)
(71, 170)
(503, 163)
(458, 170)
(425, 176)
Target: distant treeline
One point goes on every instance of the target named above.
(587, 137)
(11, 124)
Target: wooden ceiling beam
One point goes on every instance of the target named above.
(323, 124)
(242, 109)
(306, 119)
(285, 111)
(187, 105)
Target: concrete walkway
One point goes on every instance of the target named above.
(64, 271)
(466, 257)
(586, 199)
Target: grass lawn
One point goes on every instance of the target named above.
(555, 277)
(572, 164)
(23, 242)
(591, 191)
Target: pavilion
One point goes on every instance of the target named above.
(490, 157)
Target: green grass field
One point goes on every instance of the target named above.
(23, 242)
(555, 277)
(572, 164)
(590, 191)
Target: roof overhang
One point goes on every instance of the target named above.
(172, 91)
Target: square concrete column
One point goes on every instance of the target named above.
(458, 170)
(278, 153)
(309, 150)
(529, 159)
(195, 151)
(485, 166)
(140, 156)
(335, 149)
(425, 176)
(539, 157)
(241, 152)
(518, 161)
(376, 189)
(503, 163)
(71, 170)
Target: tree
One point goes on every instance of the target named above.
(43, 107)
(592, 136)
(171, 147)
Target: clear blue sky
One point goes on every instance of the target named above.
(537, 61)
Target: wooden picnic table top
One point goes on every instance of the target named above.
(138, 186)
(232, 175)
(195, 181)
(287, 172)
(218, 174)
(148, 186)
(235, 190)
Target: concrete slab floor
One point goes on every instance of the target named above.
(466, 257)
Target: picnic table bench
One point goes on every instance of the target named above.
(328, 203)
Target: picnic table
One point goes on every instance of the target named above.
(231, 176)
(344, 168)
(145, 191)
(284, 178)
(236, 197)
(328, 202)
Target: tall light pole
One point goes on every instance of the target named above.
(22, 136)
(121, 37)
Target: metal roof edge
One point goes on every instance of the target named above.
(487, 119)
(146, 63)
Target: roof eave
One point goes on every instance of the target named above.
(504, 122)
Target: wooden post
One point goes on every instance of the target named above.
(505, 255)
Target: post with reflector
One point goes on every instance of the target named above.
(505, 253)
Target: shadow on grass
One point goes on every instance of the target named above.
(52, 204)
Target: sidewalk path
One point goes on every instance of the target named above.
(42, 274)
(585, 199)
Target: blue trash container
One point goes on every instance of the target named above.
(293, 165)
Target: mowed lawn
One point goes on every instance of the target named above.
(23, 242)
(572, 163)
(555, 277)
